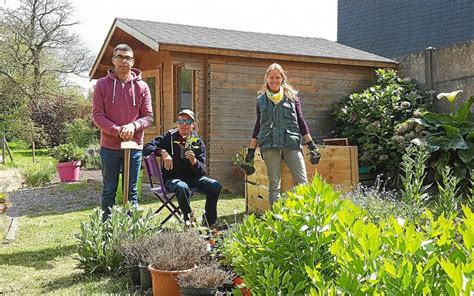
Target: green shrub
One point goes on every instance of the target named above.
(450, 139)
(99, 242)
(81, 132)
(380, 203)
(374, 120)
(313, 243)
(399, 257)
(67, 152)
(414, 191)
(91, 159)
(287, 250)
(38, 174)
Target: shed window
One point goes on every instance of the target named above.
(152, 85)
(184, 95)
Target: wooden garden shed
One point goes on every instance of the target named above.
(217, 73)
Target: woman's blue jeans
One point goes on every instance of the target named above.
(112, 163)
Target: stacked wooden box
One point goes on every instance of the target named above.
(338, 166)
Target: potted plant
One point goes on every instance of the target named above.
(204, 280)
(132, 251)
(190, 144)
(174, 253)
(69, 161)
(242, 165)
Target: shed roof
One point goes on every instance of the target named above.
(167, 33)
(156, 34)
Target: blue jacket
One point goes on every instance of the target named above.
(182, 168)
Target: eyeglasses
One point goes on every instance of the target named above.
(121, 58)
(183, 121)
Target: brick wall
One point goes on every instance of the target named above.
(393, 28)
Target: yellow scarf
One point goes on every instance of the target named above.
(275, 97)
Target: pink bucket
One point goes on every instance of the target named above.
(68, 171)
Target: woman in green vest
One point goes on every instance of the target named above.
(280, 130)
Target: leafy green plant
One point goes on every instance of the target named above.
(414, 192)
(374, 120)
(3, 197)
(91, 158)
(449, 199)
(38, 174)
(450, 138)
(399, 257)
(81, 132)
(287, 250)
(67, 152)
(98, 242)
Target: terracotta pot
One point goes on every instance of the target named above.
(68, 171)
(164, 282)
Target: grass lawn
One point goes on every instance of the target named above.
(41, 258)
(22, 158)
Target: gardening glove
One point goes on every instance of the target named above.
(314, 154)
(249, 169)
(250, 155)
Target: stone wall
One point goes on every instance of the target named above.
(442, 70)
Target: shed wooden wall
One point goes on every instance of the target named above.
(225, 100)
(233, 83)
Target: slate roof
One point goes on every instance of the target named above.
(176, 34)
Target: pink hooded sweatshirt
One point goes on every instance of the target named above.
(118, 103)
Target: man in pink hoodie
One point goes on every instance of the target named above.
(121, 110)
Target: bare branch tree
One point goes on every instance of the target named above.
(37, 47)
(37, 41)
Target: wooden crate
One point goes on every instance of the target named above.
(338, 166)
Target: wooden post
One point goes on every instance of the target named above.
(127, 146)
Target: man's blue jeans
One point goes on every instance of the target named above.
(210, 187)
(112, 162)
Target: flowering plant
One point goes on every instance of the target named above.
(374, 120)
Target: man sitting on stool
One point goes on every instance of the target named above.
(182, 173)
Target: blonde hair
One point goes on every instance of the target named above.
(289, 91)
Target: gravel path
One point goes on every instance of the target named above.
(10, 179)
(58, 197)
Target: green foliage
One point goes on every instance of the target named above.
(67, 152)
(313, 243)
(81, 132)
(404, 258)
(98, 245)
(449, 199)
(91, 159)
(450, 138)
(414, 192)
(38, 174)
(374, 120)
(287, 250)
(380, 203)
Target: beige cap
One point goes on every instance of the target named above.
(187, 112)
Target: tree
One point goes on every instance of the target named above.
(39, 50)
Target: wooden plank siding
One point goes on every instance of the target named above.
(233, 84)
